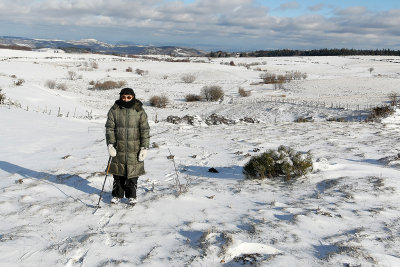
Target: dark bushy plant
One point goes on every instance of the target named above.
(51, 84)
(141, 72)
(188, 78)
(243, 92)
(2, 97)
(19, 82)
(192, 98)
(159, 101)
(276, 163)
(212, 93)
(107, 85)
(380, 112)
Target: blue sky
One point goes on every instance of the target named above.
(235, 25)
(326, 5)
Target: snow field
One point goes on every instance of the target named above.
(52, 168)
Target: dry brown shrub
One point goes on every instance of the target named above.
(121, 84)
(72, 75)
(141, 72)
(61, 86)
(19, 82)
(94, 65)
(268, 78)
(159, 101)
(212, 93)
(244, 93)
(51, 84)
(192, 98)
(108, 85)
(393, 98)
(2, 97)
(188, 78)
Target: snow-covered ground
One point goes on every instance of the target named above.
(53, 159)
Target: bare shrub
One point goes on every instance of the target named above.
(249, 65)
(279, 85)
(19, 82)
(121, 84)
(268, 78)
(371, 70)
(61, 86)
(281, 162)
(212, 93)
(303, 119)
(72, 75)
(380, 112)
(2, 97)
(159, 101)
(188, 78)
(155, 145)
(192, 98)
(297, 75)
(244, 93)
(108, 85)
(51, 84)
(141, 72)
(94, 65)
(393, 98)
(282, 78)
(288, 76)
(129, 69)
(91, 82)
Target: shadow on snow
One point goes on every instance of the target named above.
(71, 180)
(233, 172)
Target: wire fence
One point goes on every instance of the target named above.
(53, 112)
(304, 103)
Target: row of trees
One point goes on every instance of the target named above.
(315, 52)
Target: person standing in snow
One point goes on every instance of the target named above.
(127, 137)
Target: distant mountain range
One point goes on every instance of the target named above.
(93, 45)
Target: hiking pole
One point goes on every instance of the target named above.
(102, 189)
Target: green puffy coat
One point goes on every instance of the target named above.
(128, 130)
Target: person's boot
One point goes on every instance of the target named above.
(115, 200)
(132, 201)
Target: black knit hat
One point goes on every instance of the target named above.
(127, 91)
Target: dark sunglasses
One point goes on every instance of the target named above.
(127, 97)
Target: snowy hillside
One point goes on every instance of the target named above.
(53, 158)
(96, 46)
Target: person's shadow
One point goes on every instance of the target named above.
(72, 180)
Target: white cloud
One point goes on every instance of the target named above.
(353, 11)
(317, 7)
(289, 5)
(210, 21)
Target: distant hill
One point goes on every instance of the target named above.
(95, 46)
